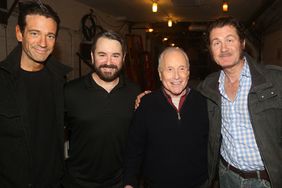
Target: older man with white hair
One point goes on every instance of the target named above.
(168, 135)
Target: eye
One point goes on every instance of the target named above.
(33, 33)
(229, 40)
(52, 37)
(169, 69)
(116, 55)
(216, 43)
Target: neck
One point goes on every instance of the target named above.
(233, 74)
(175, 96)
(31, 67)
(108, 86)
(28, 64)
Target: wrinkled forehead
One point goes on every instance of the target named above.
(174, 57)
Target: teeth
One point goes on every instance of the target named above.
(175, 83)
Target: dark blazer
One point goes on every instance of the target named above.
(15, 160)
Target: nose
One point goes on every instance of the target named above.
(223, 47)
(176, 74)
(109, 59)
(43, 41)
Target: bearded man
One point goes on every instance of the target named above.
(98, 108)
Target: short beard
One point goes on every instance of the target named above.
(107, 77)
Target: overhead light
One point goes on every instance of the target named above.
(225, 6)
(165, 39)
(155, 6)
(169, 22)
(150, 30)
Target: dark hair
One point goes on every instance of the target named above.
(224, 21)
(35, 8)
(110, 35)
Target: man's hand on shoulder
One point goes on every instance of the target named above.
(138, 98)
(128, 186)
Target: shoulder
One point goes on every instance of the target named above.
(131, 87)
(196, 94)
(211, 77)
(152, 98)
(265, 69)
(75, 83)
(58, 67)
(3, 66)
(209, 83)
(196, 97)
(269, 71)
(274, 68)
(75, 90)
(151, 102)
(273, 73)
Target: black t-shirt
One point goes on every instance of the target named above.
(37, 99)
(98, 123)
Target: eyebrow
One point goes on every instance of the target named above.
(230, 35)
(36, 30)
(117, 53)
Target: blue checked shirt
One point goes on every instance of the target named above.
(239, 147)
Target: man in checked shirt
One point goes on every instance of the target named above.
(245, 112)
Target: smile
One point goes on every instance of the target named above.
(176, 83)
(41, 51)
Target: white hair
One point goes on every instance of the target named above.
(169, 49)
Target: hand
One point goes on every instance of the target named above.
(128, 186)
(138, 98)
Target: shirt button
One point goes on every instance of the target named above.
(262, 96)
(272, 92)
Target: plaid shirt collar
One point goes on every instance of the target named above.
(245, 72)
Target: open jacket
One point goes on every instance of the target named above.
(15, 160)
(265, 108)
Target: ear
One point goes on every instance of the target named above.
(19, 34)
(244, 44)
(92, 57)
(160, 75)
(123, 58)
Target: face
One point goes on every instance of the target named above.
(226, 47)
(174, 73)
(107, 59)
(38, 39)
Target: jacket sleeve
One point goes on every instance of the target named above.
(135, 147)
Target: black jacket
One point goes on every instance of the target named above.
(265, 107)
(15, 161)
(169, 147)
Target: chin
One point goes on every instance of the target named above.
(176, 93)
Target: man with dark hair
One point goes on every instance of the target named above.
(245, 111)
(99, 107)
(31, 103)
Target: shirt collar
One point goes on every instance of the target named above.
(245, 72)
(182, 99)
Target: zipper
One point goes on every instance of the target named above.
(178, 116)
